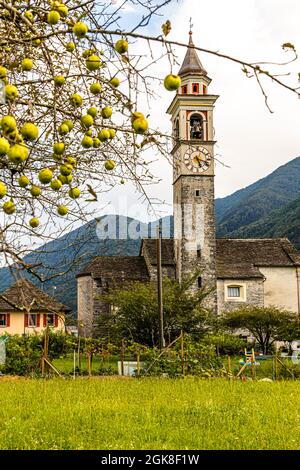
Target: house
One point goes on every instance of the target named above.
(26, 309)
(237, 272)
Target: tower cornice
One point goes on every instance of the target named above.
(191, 100)
(192, 143)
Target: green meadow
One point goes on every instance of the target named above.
(124, 413)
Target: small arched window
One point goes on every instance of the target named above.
(196, 126)
(176, 131)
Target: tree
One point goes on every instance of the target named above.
(265, 324)
(71, 123)
(134, 311)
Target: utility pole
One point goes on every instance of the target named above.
(160, 290)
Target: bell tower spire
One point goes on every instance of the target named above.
(193, 188)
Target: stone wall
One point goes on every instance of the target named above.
(254, 294)
(195, 231)
(85, 305)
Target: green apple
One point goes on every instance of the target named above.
(140, 125)
(3, 190)
(70, 46)
(96, 143)
(121, 46)
(35, 191)
(11, 92)
(18, 153)
(106, 112)
(87, 142)
(112, 133)
(76, 100)
(87, 120)
(23, 181)
(63, 10)
(62, 210)
(59, 148)
(26, 65)
(74, 193)
(9, 207)
(56, 185)
(104, 135)
(95, 88)
(53, 17)
(30, 131)
(80, 30)
(66, 169)
(3, 72)
(8, 124)
(59, 80)
(172, 82)
(71, 160)
(34, 222)
(28, 15)
(115, 82)
(137, 115)
(93, 63)
(45, 176)
(69, 123)
(109, 165)
(4, 146)
(63, 129)
(65, 179)
(92, 111)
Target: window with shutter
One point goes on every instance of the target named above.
(32, 320)
(3, 320)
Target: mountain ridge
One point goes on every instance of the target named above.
(274, 212)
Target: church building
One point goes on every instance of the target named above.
(261, 272)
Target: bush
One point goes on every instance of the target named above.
(226, 343)
(23, 355)
(199, 359)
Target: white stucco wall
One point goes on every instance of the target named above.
(281, 287)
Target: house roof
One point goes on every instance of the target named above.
(167, 250)
(192, 64)
(241, 258)
(235, 259)
(25, 295)
(129, 268)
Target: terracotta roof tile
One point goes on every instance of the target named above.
(118, 267)
(25, 294)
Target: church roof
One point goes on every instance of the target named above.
(167, 250)
(241, 258)
(129, 268)
(235, 259)
(24, 294)
(192, 64)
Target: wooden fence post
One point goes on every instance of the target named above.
(122, 356)
(182, 353)
(138, 358)
(229, 367)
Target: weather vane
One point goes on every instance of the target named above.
(191, 25)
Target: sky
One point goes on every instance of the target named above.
(251, 142)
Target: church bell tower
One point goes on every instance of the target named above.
(193, 184)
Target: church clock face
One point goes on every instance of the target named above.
(197, 159)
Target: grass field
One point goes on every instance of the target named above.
(115, 413)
